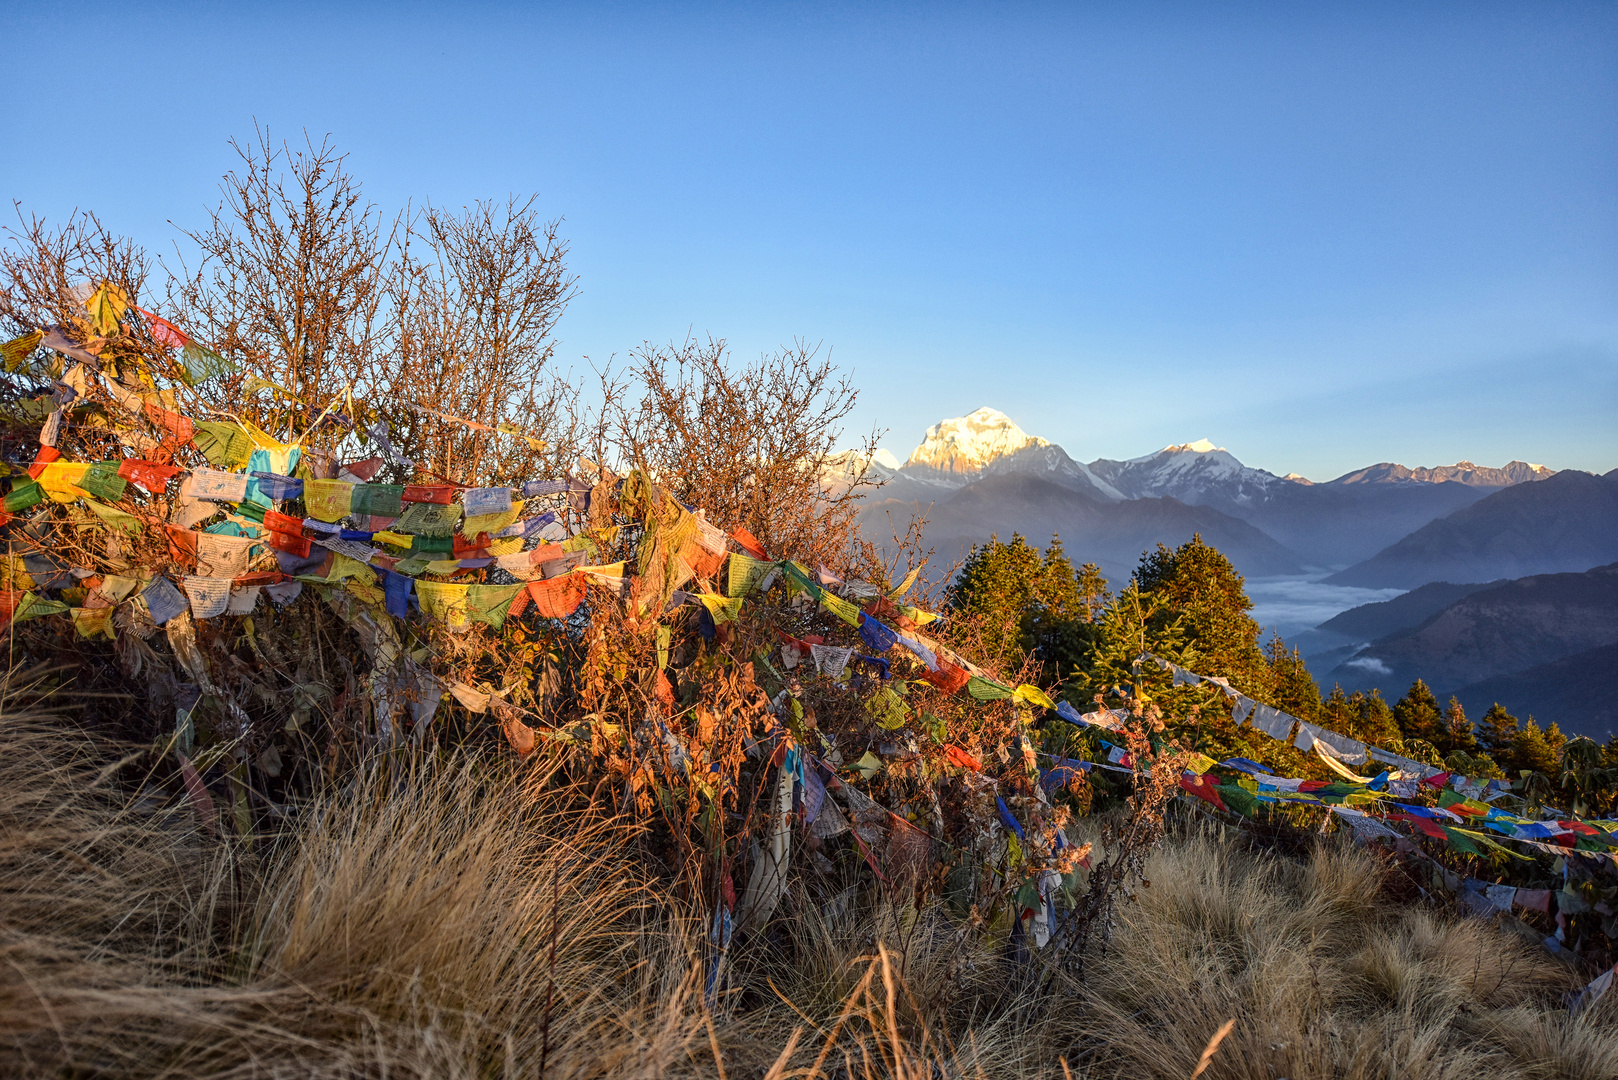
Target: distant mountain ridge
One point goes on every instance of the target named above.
(1462, 472)
(1566, 522)
(1514, 637)
(1326, 525)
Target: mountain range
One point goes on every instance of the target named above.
(981, 474)
(1543, 645)
(1510, 595)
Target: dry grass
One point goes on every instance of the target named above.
(407, 929)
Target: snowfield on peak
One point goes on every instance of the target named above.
(968, 443)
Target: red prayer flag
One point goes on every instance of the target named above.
(949, 677)
(366, 468)
(960, 757)
(182, 546)
(442, 494)
(558, 597)
(295, 545)
(164, 332)
(1203, 788)
(283, 523)
(46, 455)
(148, 474)
(749, 543)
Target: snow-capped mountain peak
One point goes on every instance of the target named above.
(1192, 472)
(968, 443)
(885, 458)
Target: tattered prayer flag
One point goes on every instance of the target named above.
(1033, 695)
(888, 708)
(148, 474)
(1204, 788)
(93, 622)
(745, 572)
(14, 353)
(948, 677)
(489, 603)
(878, 638)
(962, 759)
(722, 609)
(983, 689)
(327, 500)
(1007, 819)
(225, 444)
(106, 307)
(443, 601)
(749, 543)
(438, 494)
(428, 519)
(841, 608)
(904, 586)
(115, 518)
(202, 364)
(163, 332)
(490, 523)
(830, 660)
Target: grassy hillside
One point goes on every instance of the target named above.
(462, 917)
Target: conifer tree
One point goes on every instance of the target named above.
(1458, 731)
(1497, 731)
(1418, 716)
(1200, 586)
(1293, 689)
(1532, 750)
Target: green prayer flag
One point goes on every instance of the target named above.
(429, 519)
(983, 689)
(102, 480)
(225, 445)
(489, 603)
(1237, 798)
(22, 495)
(201, 364)
(32, 606)
(115, 518)
(380, 500)
(1460, 841)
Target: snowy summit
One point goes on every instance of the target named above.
(968, 443)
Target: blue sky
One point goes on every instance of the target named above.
(1319, 235)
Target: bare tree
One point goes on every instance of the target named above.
(751, 443)
(291, 284)
(476, 296)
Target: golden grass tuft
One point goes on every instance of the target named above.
(405, 928)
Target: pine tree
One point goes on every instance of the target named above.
(1532, 750)
(1198, 585)
(1417, 715)
(1458, 732)
(1377, 725)
(1093, 591)
(1026, 603)
(1497, 731)
(1293, 689)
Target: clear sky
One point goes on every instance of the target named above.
(1319, 235)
